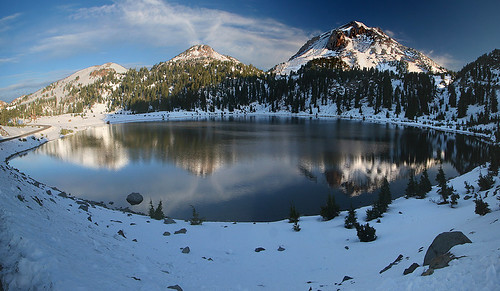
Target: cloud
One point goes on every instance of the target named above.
(4, 21)
(446, 60)
(30, 82)
(261, 41)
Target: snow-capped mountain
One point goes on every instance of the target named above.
(2, 104)
(62, 89)
(360, 46)
(201, 54)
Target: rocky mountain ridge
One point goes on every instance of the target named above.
(360, 46)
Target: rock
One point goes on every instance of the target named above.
(441, 261)
(346, 278)
(280, 249)
(84, 207)
(120, 232)
(186, 250)
(175, 287)
(181, 231)
(259, 249)
(134, 198)
(166, 233)
(49, 192)
(428, 272)
(443, 243)
(168, 220)
(411, 268)
(396, 261)
(467, 197)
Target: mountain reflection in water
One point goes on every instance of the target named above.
(250, 168)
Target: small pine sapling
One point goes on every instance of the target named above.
(195, 220)
(158, 213)
(351, 220)
(384, 196)
(331, 210)
(294, 215)
(366, 233)
(485, 182)
(482, 207)
(454, 197)
(151, 209)
(373, 213)
(296, 226)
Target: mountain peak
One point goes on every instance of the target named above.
(360, 46)
(201, 53)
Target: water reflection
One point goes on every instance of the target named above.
(236, 168)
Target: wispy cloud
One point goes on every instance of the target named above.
(4, 21)
(446, 60)
(263, 42)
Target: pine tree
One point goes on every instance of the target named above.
(158, 213)
(151, 209)
(366, 233)
(195, 219)
(331, 210)
(384, 196)
(444, 190)
(411, 188)
(351, 220)
(424, 186)
(294, 215)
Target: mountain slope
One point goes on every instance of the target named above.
(66, 88)
(201, 54)
(360, 46)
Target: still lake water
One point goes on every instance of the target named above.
(245, 168)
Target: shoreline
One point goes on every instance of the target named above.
(59, 243)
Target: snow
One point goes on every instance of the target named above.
(52, 244)
(373, 50)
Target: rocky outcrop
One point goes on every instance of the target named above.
(443, 243)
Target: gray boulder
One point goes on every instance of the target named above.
(168, 220)
(134, 198)
(443, 243)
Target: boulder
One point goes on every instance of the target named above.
(186, 250)
(168, 220)
(259, 249)
(410, 269)
(443, 243)
(180, 231)
(134, 198)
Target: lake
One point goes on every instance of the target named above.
(246, 168)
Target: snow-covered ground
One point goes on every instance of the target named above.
(48, 241)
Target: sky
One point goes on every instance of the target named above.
(44, 41)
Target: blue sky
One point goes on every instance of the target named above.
(44, 41)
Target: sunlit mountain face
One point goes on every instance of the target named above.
(232, 163)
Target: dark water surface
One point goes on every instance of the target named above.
(245, 168)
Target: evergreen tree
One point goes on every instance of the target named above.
(331, 210)
(351, 220)
(195, 219)
(411, 188)
(366, 233)
(373, 213)
(454, 197)
(151, 209)
(158, 213)
(294, 215)
(444, 190)
(482, 208)
(424, 186)
(384, 196)
(485, 182)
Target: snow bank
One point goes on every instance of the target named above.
(48, 241)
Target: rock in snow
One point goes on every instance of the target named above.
(443, 243)
(134, 198)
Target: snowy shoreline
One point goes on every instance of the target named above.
(48, 241)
